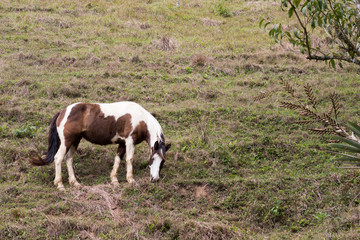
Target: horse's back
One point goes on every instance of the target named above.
(107, 123)
(119, 109)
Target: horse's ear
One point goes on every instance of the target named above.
(156, 146)
(167, 147)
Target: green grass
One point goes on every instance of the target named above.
(237, 169)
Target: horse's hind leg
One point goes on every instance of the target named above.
(119, 156)
(69, 161)
(58, 160)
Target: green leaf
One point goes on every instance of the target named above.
(332, 62)
(309, 6)
(261, 21)
(325, 6)
(302, 49)
(346, 157)
(345, 147)
(350, 158)
(291, 12)
(296, 3)
(320, 3)
(272, 32)
(348, 141)
(319, 21)
(303, 10)
(355, 128)
(351, 54)
(313, 24)
(296, 33)
(284, 3)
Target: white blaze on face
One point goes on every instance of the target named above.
(155, 167)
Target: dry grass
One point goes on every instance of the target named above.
(209, 22)
(237, 169)
(199, 60)
(165, 43)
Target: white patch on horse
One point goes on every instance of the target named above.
(117, 137)
(155, 167)
(155, 133)
(60, 128)
(138, 114)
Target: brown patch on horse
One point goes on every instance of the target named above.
(73, 127)
(60, 117)
(89, 122)
(124, 126)
(140, 133)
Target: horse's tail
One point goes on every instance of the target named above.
(53, 146)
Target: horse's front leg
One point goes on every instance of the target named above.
(113, 174)
(58, 160)
(119, 156)
(130, 148)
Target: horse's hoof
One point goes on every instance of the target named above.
(131, 181)
(115, 184)
(59, 186)
(76, 184)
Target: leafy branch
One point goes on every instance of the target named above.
(335, 22)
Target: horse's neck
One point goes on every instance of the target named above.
(154, 130)
(154, 136)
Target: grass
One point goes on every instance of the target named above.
(238, 169)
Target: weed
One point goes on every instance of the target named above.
(321, 216)
(4, 131)
(188, 70)
(222, 10)
(27, 131)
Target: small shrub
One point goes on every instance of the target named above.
(321, 216)
(188, 70)
(4, 130)
(303, 222)
(221, 10)
(27, 131)
(349, 136)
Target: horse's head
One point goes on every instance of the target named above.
(157, 159)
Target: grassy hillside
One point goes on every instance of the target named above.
(238, 169)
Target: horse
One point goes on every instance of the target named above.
(124, 123)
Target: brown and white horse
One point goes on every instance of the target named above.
(124, 123)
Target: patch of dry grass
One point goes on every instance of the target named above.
(165, 43)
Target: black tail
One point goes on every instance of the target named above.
(54, 144)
